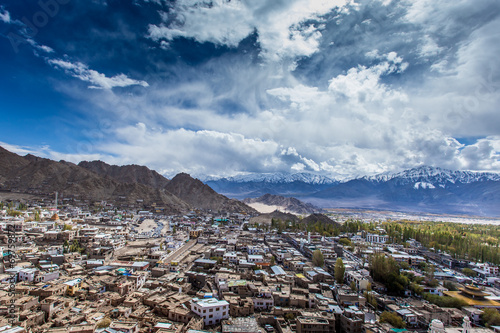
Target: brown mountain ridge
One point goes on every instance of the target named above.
(99, 181)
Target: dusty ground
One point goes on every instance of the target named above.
(264, 209)
(166, 225)
(138, 247)
(147, 225)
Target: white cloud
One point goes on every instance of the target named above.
(280, 25)
(39, 47)
(483, 155)
(98, 80)
(361, 104)
(47, 152)
(20, 150)
(4, 15)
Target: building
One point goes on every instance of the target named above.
(73, 286)
(360, 281)
(314, 325)
(211, 310)
(27, 274)
(375, 238)
(474, 297)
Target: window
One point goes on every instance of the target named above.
(204, 311)
(211, 310)
(211, 316)
(224, 313)
(217, 309)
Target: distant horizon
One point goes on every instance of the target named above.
(205, 178)
(336, 88)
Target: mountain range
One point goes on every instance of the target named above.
(97, 181)
(256, 185)
(422, 189)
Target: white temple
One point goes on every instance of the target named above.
(437, 326)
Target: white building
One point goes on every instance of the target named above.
(27, 274)
(375, 238)
(361, 281)
(263, 300)
(255, 258)
(211, 310)
(231, 257)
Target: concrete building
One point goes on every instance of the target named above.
(211, 310)
(314, 325)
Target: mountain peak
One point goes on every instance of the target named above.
(202, 196)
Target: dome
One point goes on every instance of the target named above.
(55, 217)
(436, 326)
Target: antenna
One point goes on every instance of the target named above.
(56, 198)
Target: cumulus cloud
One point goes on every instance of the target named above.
(346, 89)
(98, 80)
(46, 151)
(286, 29)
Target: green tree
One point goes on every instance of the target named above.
(392, 318)
(469, 272)
(450, 286)
(218, 259)
(353, 286)
(339, 271)
(387, 271)
(14, 213)
(67, 227)
(370, 298)
(273, 260)
(491, 317)
(317, 258)
(345, 241)
(416, 288)
(445, 301)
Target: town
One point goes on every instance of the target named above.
(76, 268)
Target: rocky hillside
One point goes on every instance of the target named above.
(291, 205)
(323, 219)
(201, 196)
(127, 173)
(99, 181)
(266, 218)
(35, 175)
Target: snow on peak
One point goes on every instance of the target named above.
(423, 185)
(280, 178)
(434, 176)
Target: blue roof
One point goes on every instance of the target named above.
(104, 268)
(277, 270)
(311, 273)
(205, 261)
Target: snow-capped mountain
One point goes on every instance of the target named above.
(255, 185)
(279, 178)
(437, 177)
(422, 189)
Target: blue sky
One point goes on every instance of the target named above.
(339, 88)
